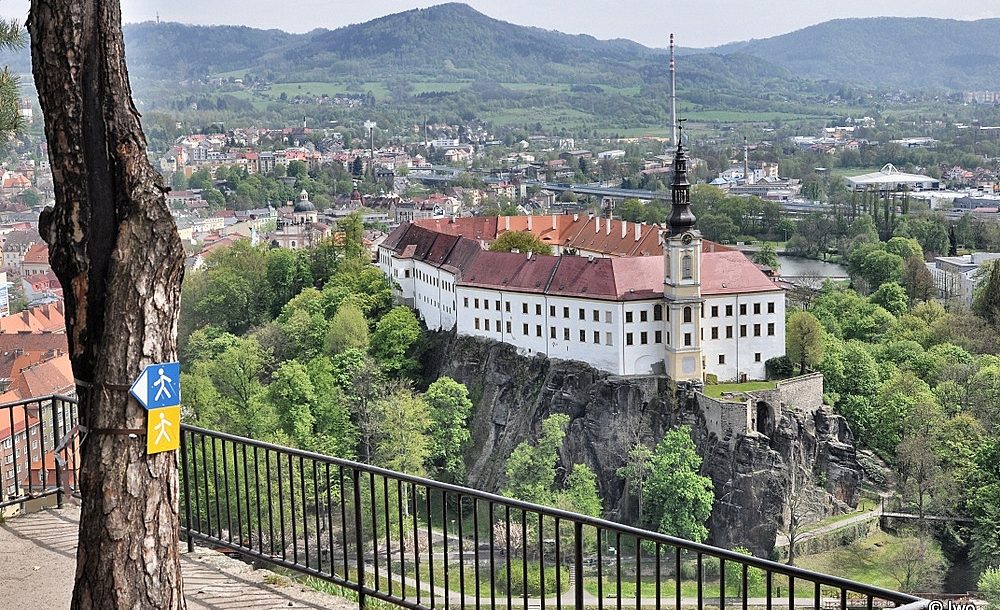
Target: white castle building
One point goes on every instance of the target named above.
(631, 301)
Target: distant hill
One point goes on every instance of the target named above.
(445, 42)
(889, 51)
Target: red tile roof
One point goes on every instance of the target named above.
(37, 254)
(621, 277)
(732, 272)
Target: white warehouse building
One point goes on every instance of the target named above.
(695, 309)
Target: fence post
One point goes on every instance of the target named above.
(55, 449)
(187, 491)
(577, 564)
(359, 540)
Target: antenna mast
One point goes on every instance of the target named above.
(673, 93)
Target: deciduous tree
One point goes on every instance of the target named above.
(522, 241)
(805, 339)
(678, 499)
(450, 409)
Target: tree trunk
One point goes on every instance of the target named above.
(115, 248)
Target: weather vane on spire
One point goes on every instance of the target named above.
(680, 132)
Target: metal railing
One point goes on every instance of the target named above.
(35, 459)
(422, 544)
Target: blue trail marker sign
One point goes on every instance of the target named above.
(159, 385)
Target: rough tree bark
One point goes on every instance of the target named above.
(115, 248)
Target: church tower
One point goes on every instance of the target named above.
(682, 279)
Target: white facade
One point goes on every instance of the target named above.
(741, 332)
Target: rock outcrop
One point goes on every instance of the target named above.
(809, 455)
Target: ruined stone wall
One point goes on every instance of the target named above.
(805, 392)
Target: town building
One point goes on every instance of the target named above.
(889, 179)
(301, 228)
(956, 277)
(631, 301)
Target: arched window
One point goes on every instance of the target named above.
(687, 314)
(686, 267)
(657, 312)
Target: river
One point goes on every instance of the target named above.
(794, 266)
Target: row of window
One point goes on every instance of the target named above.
(433, 281)
(743, 309)
(756, 358)
(743, 330)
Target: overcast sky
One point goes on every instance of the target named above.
(698, 23)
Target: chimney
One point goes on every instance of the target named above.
(507, 220)
(624, 229)
(576, 217)
(554, 226)
(638, 231)
(529, 255)
(529, 222)
(597, 224)
(608, 227)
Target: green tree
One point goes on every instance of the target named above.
(767, 255)
(287, 274)
(297, 169)
(904, 247)
(348, 329)
(880, 267)
(804, 340)
(986, 303)
(636, 470)
(717, 227)
(403, 444)
(292, 396)
(353, 228)
(11, 39)
(450, 409)
(580, 492)
(678, 499)
(918, 280)
(989, 586)
(891, 297)
(522, 241)
(392, 342)
(531, 467)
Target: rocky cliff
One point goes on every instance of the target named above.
(809, 455)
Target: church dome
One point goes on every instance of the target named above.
(303, 204)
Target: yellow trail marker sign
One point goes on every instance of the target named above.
(163, 429)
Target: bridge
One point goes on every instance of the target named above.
(422, 544)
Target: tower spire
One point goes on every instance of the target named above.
(673, 94)
(681, 217)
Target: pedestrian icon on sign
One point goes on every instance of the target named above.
(163, 383)
(158, 386)
(162, 428)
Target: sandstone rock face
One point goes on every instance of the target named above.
(810, 454)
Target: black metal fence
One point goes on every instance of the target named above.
(35, 460)
(422, 544)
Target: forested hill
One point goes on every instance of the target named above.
(453, 42)
(448, 42)
(891, 51)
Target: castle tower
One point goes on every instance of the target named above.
(682, 280)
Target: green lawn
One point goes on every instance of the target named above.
(866, 504)
(868, 560)
(733, 116)
(715, 391)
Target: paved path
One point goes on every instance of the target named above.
(38, 560)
